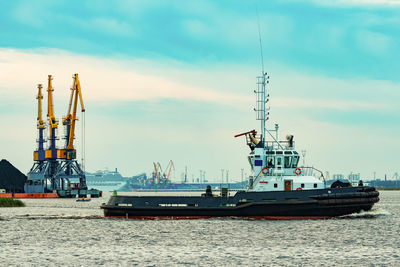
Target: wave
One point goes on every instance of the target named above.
(57, 217)
(374, 213)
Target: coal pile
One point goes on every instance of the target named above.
(11, 179)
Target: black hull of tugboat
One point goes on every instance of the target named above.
(302, 204)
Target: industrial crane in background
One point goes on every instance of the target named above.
(51, 152)
(58, 165)
(45, 161)
(155, 174)
(167, 173)
(39, 173)
(69, 121)
(69, 167)
(38, 155)
(158, 174)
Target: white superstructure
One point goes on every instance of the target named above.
(274, 163)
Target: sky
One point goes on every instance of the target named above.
(174, 80)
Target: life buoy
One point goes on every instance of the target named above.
(297, 171)
(299, 188)
(265, 170)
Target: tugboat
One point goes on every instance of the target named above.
(278, 189)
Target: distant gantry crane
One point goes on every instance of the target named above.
(167, 173)
(160, 176)
(59, 166)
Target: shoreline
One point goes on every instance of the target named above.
(10, 202)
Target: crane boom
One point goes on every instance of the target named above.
(51, 152)
(50, 106)
(171, 165)
(40, 122)
(76, 91)
(67, 118)
(39, 154)
(160, 172)
(156, 172)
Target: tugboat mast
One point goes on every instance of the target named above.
(262, 97)
(262, 110)
(261, 103)
(261, 90)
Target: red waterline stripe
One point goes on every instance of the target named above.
(270, 218)
(161, 217)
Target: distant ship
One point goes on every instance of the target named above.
(279, 188)
(106, 180)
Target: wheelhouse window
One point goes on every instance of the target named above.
(270, 162)
(288, 161)
(295, 161)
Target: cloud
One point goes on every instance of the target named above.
(341, 43)
(343, 105)
(112, 80)
(139, 110)
(350, 3)
(103, 79)
(374, 43)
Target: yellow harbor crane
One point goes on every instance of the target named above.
(166, 175)
(159, 174)
(40, 122)
(51, 152)
(156, 174)
(69, 152)
(59, 166)
(38, 155)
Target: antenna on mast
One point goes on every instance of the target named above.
(262, 97)
(259, 36)
(261, 94)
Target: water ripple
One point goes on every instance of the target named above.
(64, 233)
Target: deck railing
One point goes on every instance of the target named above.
(304, 171)
(283, 145)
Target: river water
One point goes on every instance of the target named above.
(65, 232)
